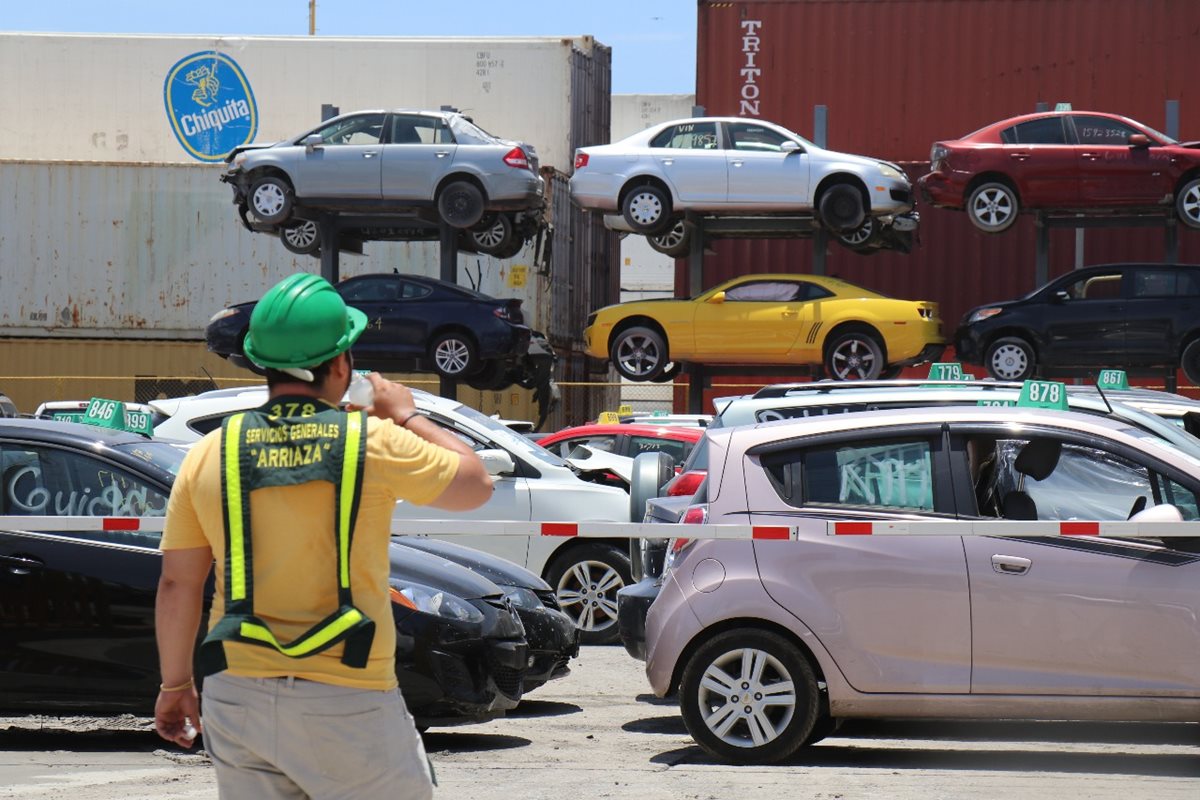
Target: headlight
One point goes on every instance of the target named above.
(983, 314)
(434, 601)
(222, 314)
(522, 597)
(890, 172)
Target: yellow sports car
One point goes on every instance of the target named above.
(777, 320)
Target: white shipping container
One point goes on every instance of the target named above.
(636, 112)
(152, 251)
(108, 95)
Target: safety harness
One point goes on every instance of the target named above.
(287, 442)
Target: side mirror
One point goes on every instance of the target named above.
(789, 147)
(1139, 140)
(497, 462)
(718, 298)
(312, 142)
(1061, 296)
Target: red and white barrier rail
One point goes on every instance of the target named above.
(635, 530)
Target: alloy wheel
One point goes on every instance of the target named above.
(638, 355)
(747, 697)
(303, 236)
(587, 593)
(993, 207)
(452, 356)
(853, 359)
(1190, 204)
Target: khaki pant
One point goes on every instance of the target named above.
(284, 738)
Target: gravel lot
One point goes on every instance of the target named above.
(600, 734)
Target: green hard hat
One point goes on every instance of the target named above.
(301, 322)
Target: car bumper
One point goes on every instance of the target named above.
(595, 340)
(504, 340)
(633, 604)
(553, 641)
(452, 673)
(890, 196)
(968, 345)
(670, 626)
(941, 190)
(515, 192)
(595, 190)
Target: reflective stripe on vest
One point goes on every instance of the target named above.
(259, 449)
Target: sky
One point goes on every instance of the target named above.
(653, 41)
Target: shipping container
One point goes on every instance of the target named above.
(636, 112)
(34, 371)
(133, 98)
(152, 251)
(896, 75)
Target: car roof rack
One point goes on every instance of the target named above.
(825, 386)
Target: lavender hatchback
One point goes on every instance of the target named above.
(770, 644)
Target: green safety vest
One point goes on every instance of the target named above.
(289, 441)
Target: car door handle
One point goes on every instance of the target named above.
(442, 153)
(736, 163)
(23, 565)
(1018, 156)
(370, 154)
(668, 162)
(1090, 156)
(1011, 565)
(789, 313)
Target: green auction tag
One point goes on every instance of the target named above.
(997, 403)
(67, 416)
(1044, 394)
(946, 371)
(1113, 379)
(112, 414)
(658, 412)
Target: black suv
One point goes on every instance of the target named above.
(1122, 316)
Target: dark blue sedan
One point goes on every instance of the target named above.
(415, 322)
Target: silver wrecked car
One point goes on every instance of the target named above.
(733, 165)
(384, 160)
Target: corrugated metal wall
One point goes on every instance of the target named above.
(899, 74)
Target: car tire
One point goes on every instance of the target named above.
(586, 579)
(675, 242)
(303, 239)
(863, 239)
(492, 377)
(453, 355)
(1187, 203)
(647, 209)
(841, 208)
(639, 353)
(993, 207)
(668, 374)
(1190, 361)
(495, 235)
(460, 204)
(754, 667)
(1010, 358)
(271, 200)
(855, 355)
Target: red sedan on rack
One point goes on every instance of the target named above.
(1080, 161)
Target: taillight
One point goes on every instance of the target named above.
(675, 549)
(581, 160)
(517, 159)
(695, 515)
(936, 155)
(685, 484)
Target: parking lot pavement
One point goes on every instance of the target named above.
(600, 734)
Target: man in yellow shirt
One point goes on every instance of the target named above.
(294, 501)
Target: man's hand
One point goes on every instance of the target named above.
(177, 716)
(393, 401)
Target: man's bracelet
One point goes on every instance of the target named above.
(403, 423)
(189, 683)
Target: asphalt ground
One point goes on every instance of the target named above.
(599, 733)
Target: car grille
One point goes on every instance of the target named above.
(901, 195)
(509, 681)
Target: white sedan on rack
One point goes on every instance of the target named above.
(734, 165)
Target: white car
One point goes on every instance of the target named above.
(531, 483)
(734, 165)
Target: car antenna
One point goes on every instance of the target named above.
(1105, 399)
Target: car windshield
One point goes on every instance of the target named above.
(509, 439)
(164, 455)
(467, 132)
